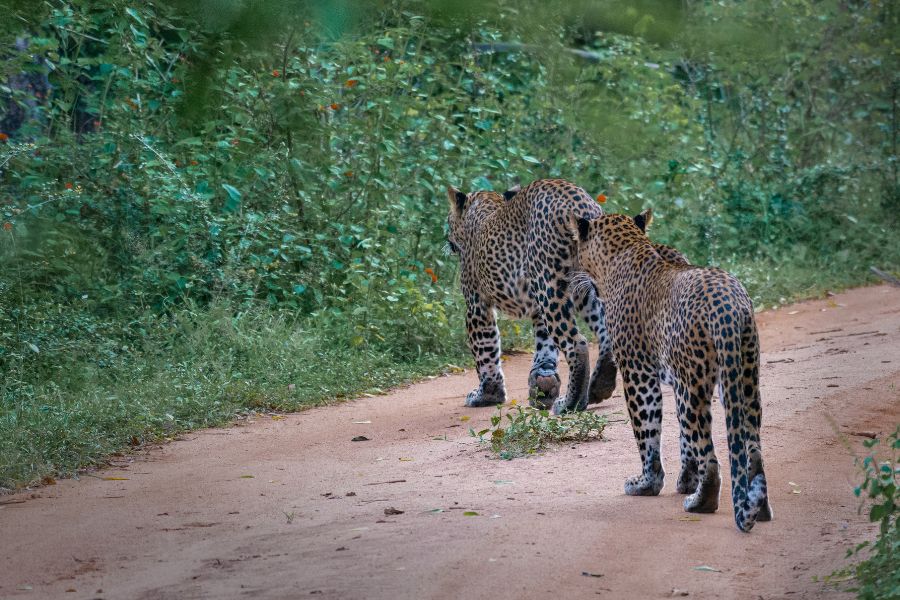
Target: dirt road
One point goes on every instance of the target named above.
(290, 507)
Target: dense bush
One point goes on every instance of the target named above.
(164, 172)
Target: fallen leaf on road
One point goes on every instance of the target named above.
(589, 574)
(793, 312)
(707, 568)
(502, 482)
(115, 479)
(470, 513)
(246, 476)
(690, 518)
(360, 438)
(404, 459)
(392, 511)
(278, 417)
(465, 418)
(435, 510)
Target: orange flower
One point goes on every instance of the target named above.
(387, 58)
(68, 185)
(335, 106)
(351, 83)
(601, 198)
(430, 271)
(3, 137)
(194, 163)
(276, 73)
(7, 226)
(348, 173)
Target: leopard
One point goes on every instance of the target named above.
(516, 253)
(516, 257)
(689, 327)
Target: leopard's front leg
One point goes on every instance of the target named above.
(484, 342)
(644, 399)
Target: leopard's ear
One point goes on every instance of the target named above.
(644, 219)
(580, 227)
(457, 199)
(511, 192)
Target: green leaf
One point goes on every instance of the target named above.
(134, 15)
(233, 203)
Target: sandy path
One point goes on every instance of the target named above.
(190, 522)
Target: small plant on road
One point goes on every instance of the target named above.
(521, 431)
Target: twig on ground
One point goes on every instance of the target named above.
(886, 276)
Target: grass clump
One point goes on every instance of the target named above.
(199, 370)
(527, 430)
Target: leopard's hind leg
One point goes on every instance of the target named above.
(695, 420)
(543, 380)
(559, 315)
(484, 342)
(590, 307)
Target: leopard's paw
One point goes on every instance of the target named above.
(487, 394)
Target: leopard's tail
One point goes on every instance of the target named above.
(737, 350)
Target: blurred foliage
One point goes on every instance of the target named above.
(286, 159)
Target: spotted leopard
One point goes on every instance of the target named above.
(692, 328)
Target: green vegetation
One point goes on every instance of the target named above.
(204, 203)
(877, 576)
(529, 430)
